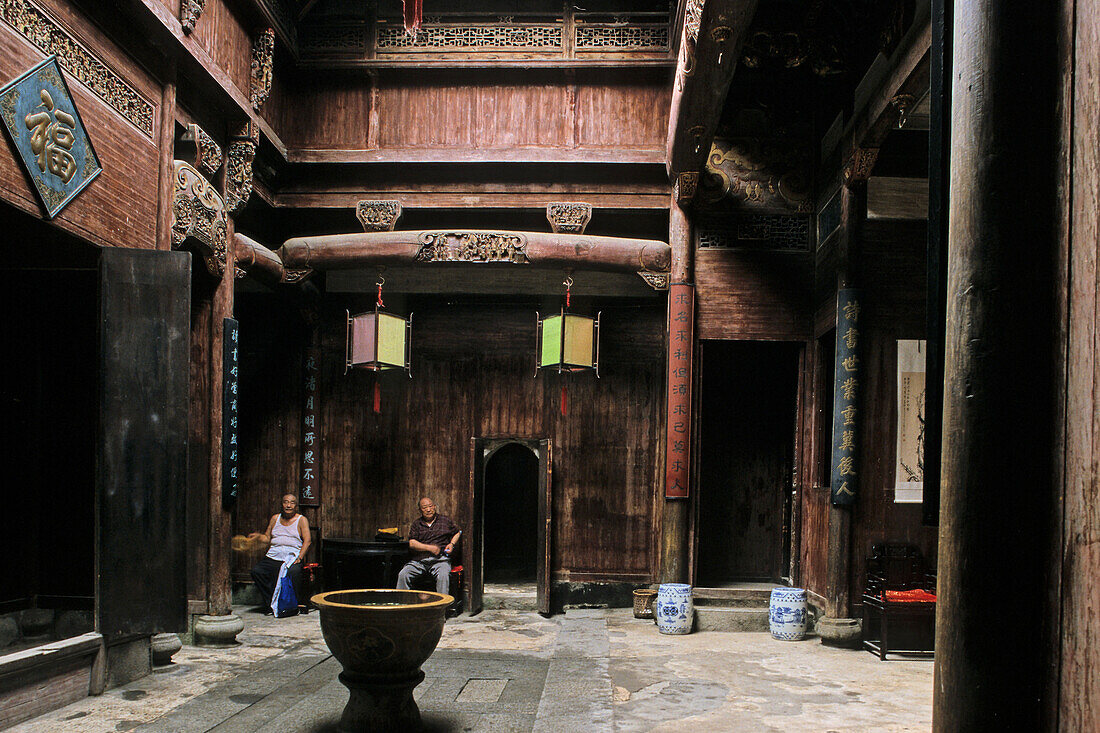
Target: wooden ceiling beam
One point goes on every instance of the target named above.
(708, 58)
(577, 251)
(903, 86)
(460, 200)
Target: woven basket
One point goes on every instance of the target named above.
(643, 602)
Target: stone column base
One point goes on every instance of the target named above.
(218, 631)
(840, 632)
(163, 646)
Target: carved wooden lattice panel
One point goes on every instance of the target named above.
(774, 232)
(455, 37)
(621, 37)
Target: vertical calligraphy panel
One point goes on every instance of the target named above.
(310, 483)
(230, 425)
(681, 317)
(843, 478)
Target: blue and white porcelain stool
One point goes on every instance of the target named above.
(674, 610)
(787, 614)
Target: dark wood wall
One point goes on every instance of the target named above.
(892, 275)
(753, 295)
(478, 109)
(472, 376)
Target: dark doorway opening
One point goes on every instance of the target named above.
(511, 515)
(50, 408)
(748, 400)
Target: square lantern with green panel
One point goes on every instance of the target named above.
(378, 341)
(569, 342)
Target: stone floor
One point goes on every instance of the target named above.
(585, 670)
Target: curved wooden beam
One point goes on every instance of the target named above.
(576, 251)
(257, 260)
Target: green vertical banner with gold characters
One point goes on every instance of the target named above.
(847, 375)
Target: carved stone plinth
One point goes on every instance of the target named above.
(218, 631)
(378, 216)
(568, 218)
(163, 646)
(375, 705)
(840, 632)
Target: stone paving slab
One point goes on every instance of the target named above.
(591, 670)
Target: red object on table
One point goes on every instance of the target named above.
(909, 596)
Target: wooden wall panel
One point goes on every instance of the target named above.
(627, 115)
(753, 295)
(224, 35)
(488, 110)
(327, 112)
(894, 286)
(473, 376)
(119, 208)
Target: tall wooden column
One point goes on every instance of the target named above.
(853, 212)
(998, 597)
(675, 565)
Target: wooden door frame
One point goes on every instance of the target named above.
(481, 450)
(791, 539)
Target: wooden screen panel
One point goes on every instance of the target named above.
(224, 36)
(630, 115)
(753, 295)
(141, 473)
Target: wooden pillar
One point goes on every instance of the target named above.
(838, 558)
(166, 143)
(997, 593)
(675, 557)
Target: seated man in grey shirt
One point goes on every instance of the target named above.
(432, 538)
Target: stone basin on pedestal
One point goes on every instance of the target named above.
(381, 637)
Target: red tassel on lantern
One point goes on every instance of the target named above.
(377, 396)
(563, 399)
(414, 14)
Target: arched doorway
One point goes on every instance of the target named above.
(511, 515)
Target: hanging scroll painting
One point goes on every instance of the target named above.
(909, 468)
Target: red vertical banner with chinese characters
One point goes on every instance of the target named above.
(681, 319)
(309, 493)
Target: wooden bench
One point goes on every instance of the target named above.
(899, 603)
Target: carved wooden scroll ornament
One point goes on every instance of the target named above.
(568, 218)
(198, 216)
(263, 50)
(378, 216)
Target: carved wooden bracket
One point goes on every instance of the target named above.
(204, 153)
(238, 172)
(758, 173)
(684, 187)
(859, 165)
(263, 50)
(190, 11)
(378, 216)
(198, 216)
(693, 16)
(902, 104)
(655, 280)
(568, 218)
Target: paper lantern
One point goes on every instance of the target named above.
(378, 341)
(569, 343)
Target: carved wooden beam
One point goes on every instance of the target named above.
(539, 249)
(709, 52)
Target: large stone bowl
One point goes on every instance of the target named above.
(381, 637)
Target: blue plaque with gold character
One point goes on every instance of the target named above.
(41, 118)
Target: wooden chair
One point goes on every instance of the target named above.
(899, 603)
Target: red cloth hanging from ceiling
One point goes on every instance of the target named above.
(414, 14)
